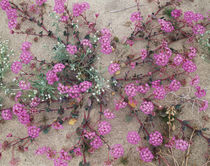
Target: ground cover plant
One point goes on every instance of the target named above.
(151, 85)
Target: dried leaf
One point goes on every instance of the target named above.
(72, 121)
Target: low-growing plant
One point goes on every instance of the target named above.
(150, 84)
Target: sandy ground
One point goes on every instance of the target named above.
(116, 22)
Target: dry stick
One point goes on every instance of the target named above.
(120, 10)
(188, 151)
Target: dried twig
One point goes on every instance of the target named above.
(120, 10)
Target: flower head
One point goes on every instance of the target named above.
(116, 151)
(133, 137)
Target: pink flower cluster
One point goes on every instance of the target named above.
(155, 138)
(51, 77)
(143, 88)
(190, 16)
(71, 49)
(58, 67)
(156, 84)
(135, 17)
(89, 135)
(175, 85)
(192, 53)
(159, 93)
(200, 92)
(105, 41)
(40, 2)
(203, 105)
(6, 114)
(147, 107)
(74, 91)
(79, 8)
(181, 144)
(198, 29)
(195, 81)
(35, 102)
(116, 151)
(86, 43)
(85, 85)
(166, 25)
(11, 13)
(21, 113)
(143, 54)
(178, 59)
(59, 6)
(176, 13)
(33, 131)
(189, 66)
(108, 114)
(96, 143)
(120, 105)
(24, 85)
(145, 154)
(26, 56)
(104, 128)
(16, 67)
(133, 137)
(161, 59)
(113, 68)
(130, 90)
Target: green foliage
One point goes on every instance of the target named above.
(204, 42)
(124, 160)
(167, 12)
(45, 91)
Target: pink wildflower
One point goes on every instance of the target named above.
(104, 128)
(203, 105)
(6, 114)
(147, 107)
(108, 114)
(35, 102)
(96, 143)
(62, 89)
(200, 92)
(51, 77)
(78, 152)
(71, 49)
(106, 48)
(176, 13)
(159, 93)
(24, 85)
(130, 90)
(136, 16)
(84, 86)
(59, 6)
(17, 108)
(33, 131)
(178, 59)
(175, 85)
(117, 151)
(165, 25)
(86, 42)
(156, 84)
(58, 67)
(64, 155)
(181, 144)
(195, 81)
(24, 117)
(161, 59)
(145, 154)
(79, 8)
(60, 162)
(143, 54)
(189, 66)
(120, 105)
(133, 137)
(155, 138)
(143, 88)
(198, 29)
(113, 68)
(16, 67)
(40, 2)
(74, 91)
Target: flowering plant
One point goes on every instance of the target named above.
(142, 83)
